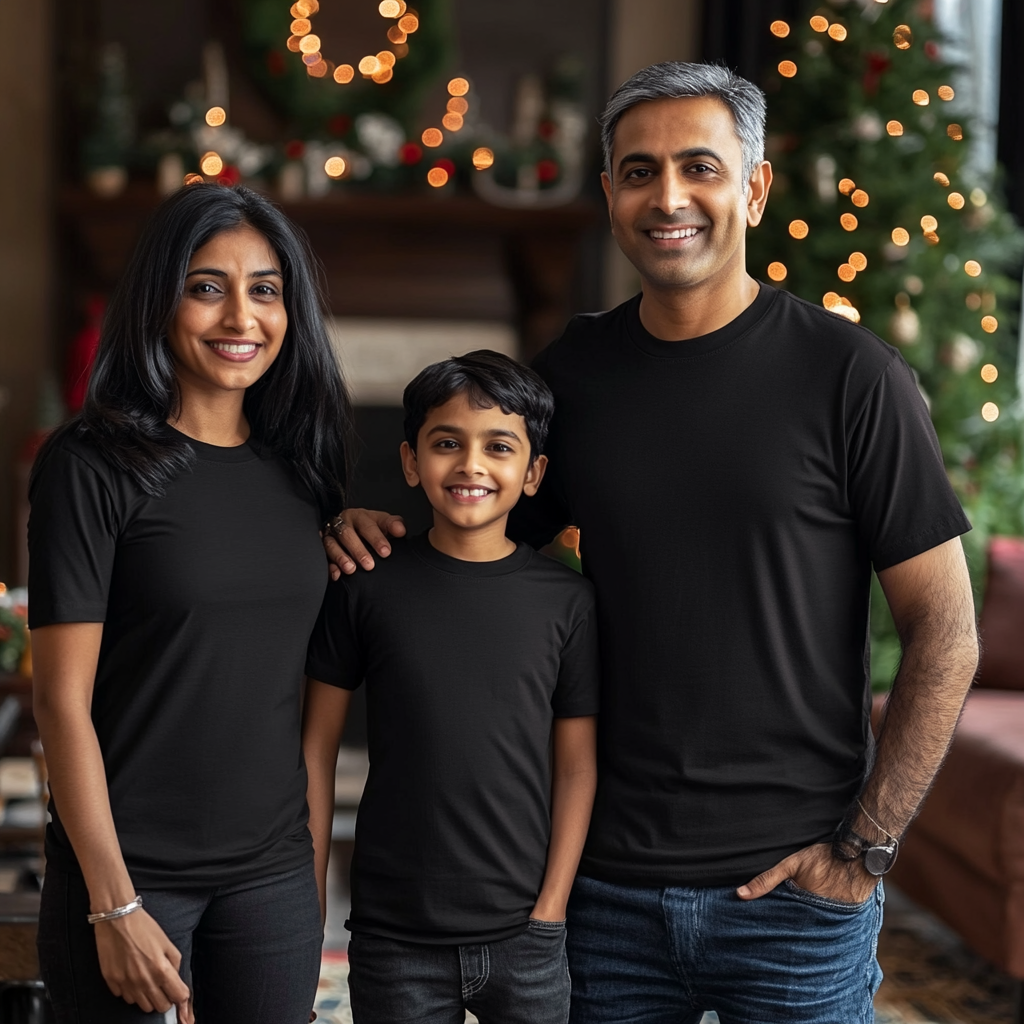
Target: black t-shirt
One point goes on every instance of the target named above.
(466, 664)
(208, 596)
(733, 492)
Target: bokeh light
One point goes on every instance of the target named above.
(396, 35)
(301, 9)
(432, 137)
(902, 37)
(921, 97)
(457, 105)
(777, 271)
(453, 122)
(344, 73)
(978, 196)
(293, 44)
(972, 300)
(946, 92)
(972, 268)
(846, 186)
(780, 29)
(301, 26)
(309, 59)
(858, 261)
(317, 70)
(798, 228)
(437, 176)
(990, 412)
(860, 198)
(216, 116)
(989, 324)
(458, 87)
(900, 236)
(830, 300)
(193, 179)
(956, 200)
(335, 167)
(941, 179)
(386, 58)
(211, 164)
(931, 237)
(369, 65)
(787, 69)
(955, 132)
(894, 128)
(310, 44)
(483, 158)
(837, 32)
(390, 9)
(928, 223)
(409, 23)
(382, 75)
(848, 221)
(846, 272)
(819, 24)
(990, 373)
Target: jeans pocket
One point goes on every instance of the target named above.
(554, 927)
(826, 902)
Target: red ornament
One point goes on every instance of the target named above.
(229, 175)
(275, 63)
(339, 124)
(878, 64)
(294, 149)
(82, 354)
(546, 130)
(931, 50)
(410, 154)
(446, 165)
(547, 171)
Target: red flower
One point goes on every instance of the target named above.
(547, 171)
(294, 149)
(229, 175)
(275, 63)
(446, 165)
(410, 154)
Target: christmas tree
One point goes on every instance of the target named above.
(876, 213)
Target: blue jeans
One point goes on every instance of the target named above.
(664, 956)
(250, 952)
(521, 980)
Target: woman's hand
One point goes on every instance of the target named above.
(140, 964)
(345, 547)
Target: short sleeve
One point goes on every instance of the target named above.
(72, 538)
(334, 655)
(899, 490)
(577, 691)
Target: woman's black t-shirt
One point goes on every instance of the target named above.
(208, 596)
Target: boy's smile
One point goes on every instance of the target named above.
(473, 464)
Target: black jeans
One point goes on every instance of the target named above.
(250, 952)
(521, 980)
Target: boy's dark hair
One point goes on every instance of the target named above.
(487, 378)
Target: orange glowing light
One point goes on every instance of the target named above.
(903, 37)
(211, 164)
(845, 308)
(312, 7)
(972, 268)
(310, 44)
(335, 167)
(301, 10)
(955, 132)
(216, 116)
(900, 236)
(990, 373)
(941, 179)
(837, 32)
(432, 137)
(344, 73)
(894, 128)
(309, 59)
(453, 122)
(437, 176)
(846, 186)
(396, 35)
(846, 273)
(409, 23)
(798, 228)
(945, 92)
(301, 27)
(931, 237)
(401, 50)
(390, 9)
(294, 43)
(956, 200)
(858, 261)
(860, 198)
(989, 324)
(369, 66)
(779, 28)
(317, 70)
(972, 300)
(458, 87)
(383, 75)
(387, 59)
(921, 97)
(819, 24)
(777, 271)
(483, 158)
(193, 179)
(787, 69)
(457, 105)
(848, 221)
(990, 412)
(830, 300)
(928, 223)
(402, 7)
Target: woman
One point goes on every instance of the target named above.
(176, 573)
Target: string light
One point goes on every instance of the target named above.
(902, 37)
(453, 122)
(310, 44)
(382, 75)
(409, 24)
(335, 167)
(945, 92)
(437, 176)
(830, 300)
(777, 271)
(216, 116)
(787, 69)
(396, 35)
(780, 29)
(483, 158)
(972, 268)
(309, 59)
(928, 223)
(900, 236)
(211, 164)
(798, 229)
(846, 186)
(390, 9)
(819, 24)
(858, 261)
(955, 132)
(432, 137)
(860, 198)
(848, 221)
(317, 70)
(301, 26)
(956, 200)
(368, 66)
(941, 179)
(458, 87)
(989, 373)
(837, 32)
(193, 179)
(989, 324)
(931, 238)
(894, 128)
(846, 273)
(990, 412)
(294, 43)
(344, 73)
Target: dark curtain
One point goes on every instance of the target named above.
(1011, 105)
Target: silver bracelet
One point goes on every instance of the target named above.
(112, 915)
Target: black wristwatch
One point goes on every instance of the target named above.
(878, 858)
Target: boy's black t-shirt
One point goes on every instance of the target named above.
(466, 664)
(208, 596)
(733, 492)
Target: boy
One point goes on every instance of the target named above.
(480, 659)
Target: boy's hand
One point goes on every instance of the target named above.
(345, 546)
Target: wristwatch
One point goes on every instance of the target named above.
(878, 858)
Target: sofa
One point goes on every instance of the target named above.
(963, 857)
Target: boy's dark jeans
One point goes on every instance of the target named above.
(521, 980)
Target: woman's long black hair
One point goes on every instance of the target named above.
(298, 409)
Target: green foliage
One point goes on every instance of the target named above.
(828, 123)
(309, 104)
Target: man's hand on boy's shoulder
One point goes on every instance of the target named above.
(349, 535)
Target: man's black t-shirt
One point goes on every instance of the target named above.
(466, 664)
(208, 596)
(733, 492)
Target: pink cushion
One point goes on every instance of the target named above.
(1002, 616)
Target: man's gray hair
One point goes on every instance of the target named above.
(676, 80)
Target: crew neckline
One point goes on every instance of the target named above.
(215, 453)
(426, 552)
(704, 343)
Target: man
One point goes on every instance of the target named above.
(737, 460)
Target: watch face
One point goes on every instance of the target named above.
(878, 859)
